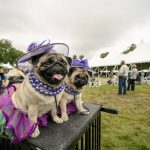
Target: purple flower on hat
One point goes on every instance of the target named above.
(80, 63)
(35, 45)
(32, 46)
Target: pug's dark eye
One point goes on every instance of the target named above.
(64, 63)
(48, 62)
(77, 76)
(87, 76)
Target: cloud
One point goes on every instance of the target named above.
(87, 26)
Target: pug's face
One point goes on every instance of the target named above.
(79, 77)
(51, 68)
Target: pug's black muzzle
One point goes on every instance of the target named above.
(57, 68)
(81, 82)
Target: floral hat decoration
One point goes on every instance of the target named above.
(81, 63)
(35, 49)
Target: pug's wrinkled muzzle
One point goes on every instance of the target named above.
(81, 82)
(55, 74)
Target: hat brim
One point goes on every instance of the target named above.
(49, 48)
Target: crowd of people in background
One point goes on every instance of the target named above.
(119, 78)
(125, 77)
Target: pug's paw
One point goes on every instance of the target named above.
(64, 117)
(36, 132)
(84, 112)
(57, 119)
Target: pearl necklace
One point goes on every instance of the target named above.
(70, 90)
(43, 88)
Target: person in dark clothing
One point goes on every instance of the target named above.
(138, 79)
(133, 76)
(2, 77)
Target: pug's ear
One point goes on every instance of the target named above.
(69, 60)
(71, 70)
(35, 59)
(90, 73)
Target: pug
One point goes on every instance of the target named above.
(42, 89)
(75, 81)
(15, 77)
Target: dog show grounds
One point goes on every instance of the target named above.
(130, 129)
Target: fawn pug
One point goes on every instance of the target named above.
(42, 88)
(75, 81)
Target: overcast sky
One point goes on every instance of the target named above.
(87, 26)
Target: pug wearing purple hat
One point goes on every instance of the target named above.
(43, 87)
(78, 76)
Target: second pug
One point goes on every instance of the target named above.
(75, 81)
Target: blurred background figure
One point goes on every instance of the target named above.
(15, 77)
(113, 79)
(132, 78)
(122, 74)
(13, 80)
(2, 79)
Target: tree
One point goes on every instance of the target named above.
(81, 57)
(8, 53)
(75, 57)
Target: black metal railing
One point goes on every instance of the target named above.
(89, 139)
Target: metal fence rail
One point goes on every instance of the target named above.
(88, 139)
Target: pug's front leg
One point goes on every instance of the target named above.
(79, 106)
(64, 115)
(32, 114)
(54, 115)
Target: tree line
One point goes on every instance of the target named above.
(8, 53)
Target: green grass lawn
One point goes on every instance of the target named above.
(130, 129)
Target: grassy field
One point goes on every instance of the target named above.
(130, 129)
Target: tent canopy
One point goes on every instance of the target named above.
(140, 55)
(8, 66)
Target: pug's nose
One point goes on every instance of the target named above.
(82, 82)
(57, 66)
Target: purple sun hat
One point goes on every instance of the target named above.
(81, 63)
(35, 49)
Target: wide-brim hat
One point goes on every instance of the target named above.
(35, 49)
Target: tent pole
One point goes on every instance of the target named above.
(106, 71)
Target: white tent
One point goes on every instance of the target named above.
(140, 55)
(8, 66)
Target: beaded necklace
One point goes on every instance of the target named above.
(43, 88)
(70, 90)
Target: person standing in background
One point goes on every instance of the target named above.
(2, 78)
(133, 76)
(122, 75)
